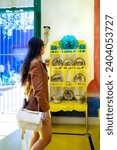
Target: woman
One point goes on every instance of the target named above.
(35, 80)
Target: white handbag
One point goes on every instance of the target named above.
(31, 120)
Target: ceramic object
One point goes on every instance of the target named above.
(68, 95)
(79, 62)
(68, 42)
(56, 98)
(80, 99)
(56, 78)
(68, 62)
(57, 62)
(79, 78)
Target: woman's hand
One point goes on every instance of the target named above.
(46, 116)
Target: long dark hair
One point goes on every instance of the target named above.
(34, 50)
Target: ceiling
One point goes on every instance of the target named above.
(16, 3)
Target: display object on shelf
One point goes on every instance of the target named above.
(80, 99)
(79, 62)
(79, 78)
(68, 75)
(82, 47)
(68, 42)
(68, 62)
(56, 78)
(56, 99)
(57, 62)
(68, 95)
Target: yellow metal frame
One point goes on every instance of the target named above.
(66, 105)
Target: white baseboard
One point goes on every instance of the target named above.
(74, 120)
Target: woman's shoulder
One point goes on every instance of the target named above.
(35, 62)
(34, 66)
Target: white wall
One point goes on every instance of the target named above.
(74, 17)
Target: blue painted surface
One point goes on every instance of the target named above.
(19, 40)
(93, 105)
(13, 50)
